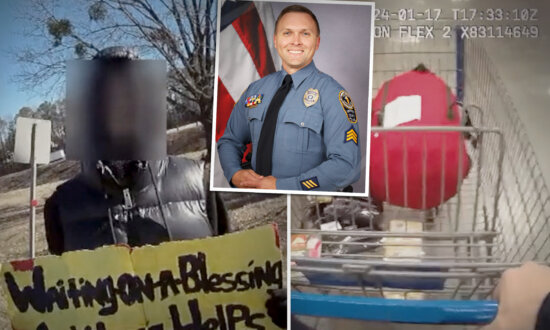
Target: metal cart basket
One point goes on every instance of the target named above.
(437, 265)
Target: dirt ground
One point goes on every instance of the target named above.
(190, 141)
(14, 230)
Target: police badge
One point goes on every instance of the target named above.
(311, 96)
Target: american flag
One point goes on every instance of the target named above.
(245, 52)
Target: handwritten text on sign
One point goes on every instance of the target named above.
(213, 283)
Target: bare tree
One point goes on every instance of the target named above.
(3, 137)
(182, 32)
(52, 111)
(7, 142)
(55, 113)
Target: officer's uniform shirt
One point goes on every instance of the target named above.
(316, 145)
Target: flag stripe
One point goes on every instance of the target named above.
(250, 29)
(225, 105)
(266, 16)
(236, 68)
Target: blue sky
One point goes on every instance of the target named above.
(12, 95)
(12, 98)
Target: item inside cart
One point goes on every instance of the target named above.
(398, 254)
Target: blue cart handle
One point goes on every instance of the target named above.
(394, 310)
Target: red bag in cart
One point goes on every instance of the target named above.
(416, 169)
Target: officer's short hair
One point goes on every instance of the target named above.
(298, 9)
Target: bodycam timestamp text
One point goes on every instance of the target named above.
(466, 23)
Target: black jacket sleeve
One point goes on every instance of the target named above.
(215, 207)
(217, 214)
(52, 224)
(543, 317)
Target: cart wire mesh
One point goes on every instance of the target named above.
(498, 219)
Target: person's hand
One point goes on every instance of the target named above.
(246, 179)
(268, 182)
(520, 293)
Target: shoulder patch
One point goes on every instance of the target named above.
(348, 106)
(351, 135)
(309, 184)
(253, 101)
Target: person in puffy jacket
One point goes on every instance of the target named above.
(129, 191)
(134, 203)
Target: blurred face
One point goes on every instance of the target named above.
(296, 40)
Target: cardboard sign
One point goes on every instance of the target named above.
(213, 283)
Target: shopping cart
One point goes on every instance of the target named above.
(438, 265)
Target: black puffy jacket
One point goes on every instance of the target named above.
(166, 200)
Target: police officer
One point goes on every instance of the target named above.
(302, 123)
